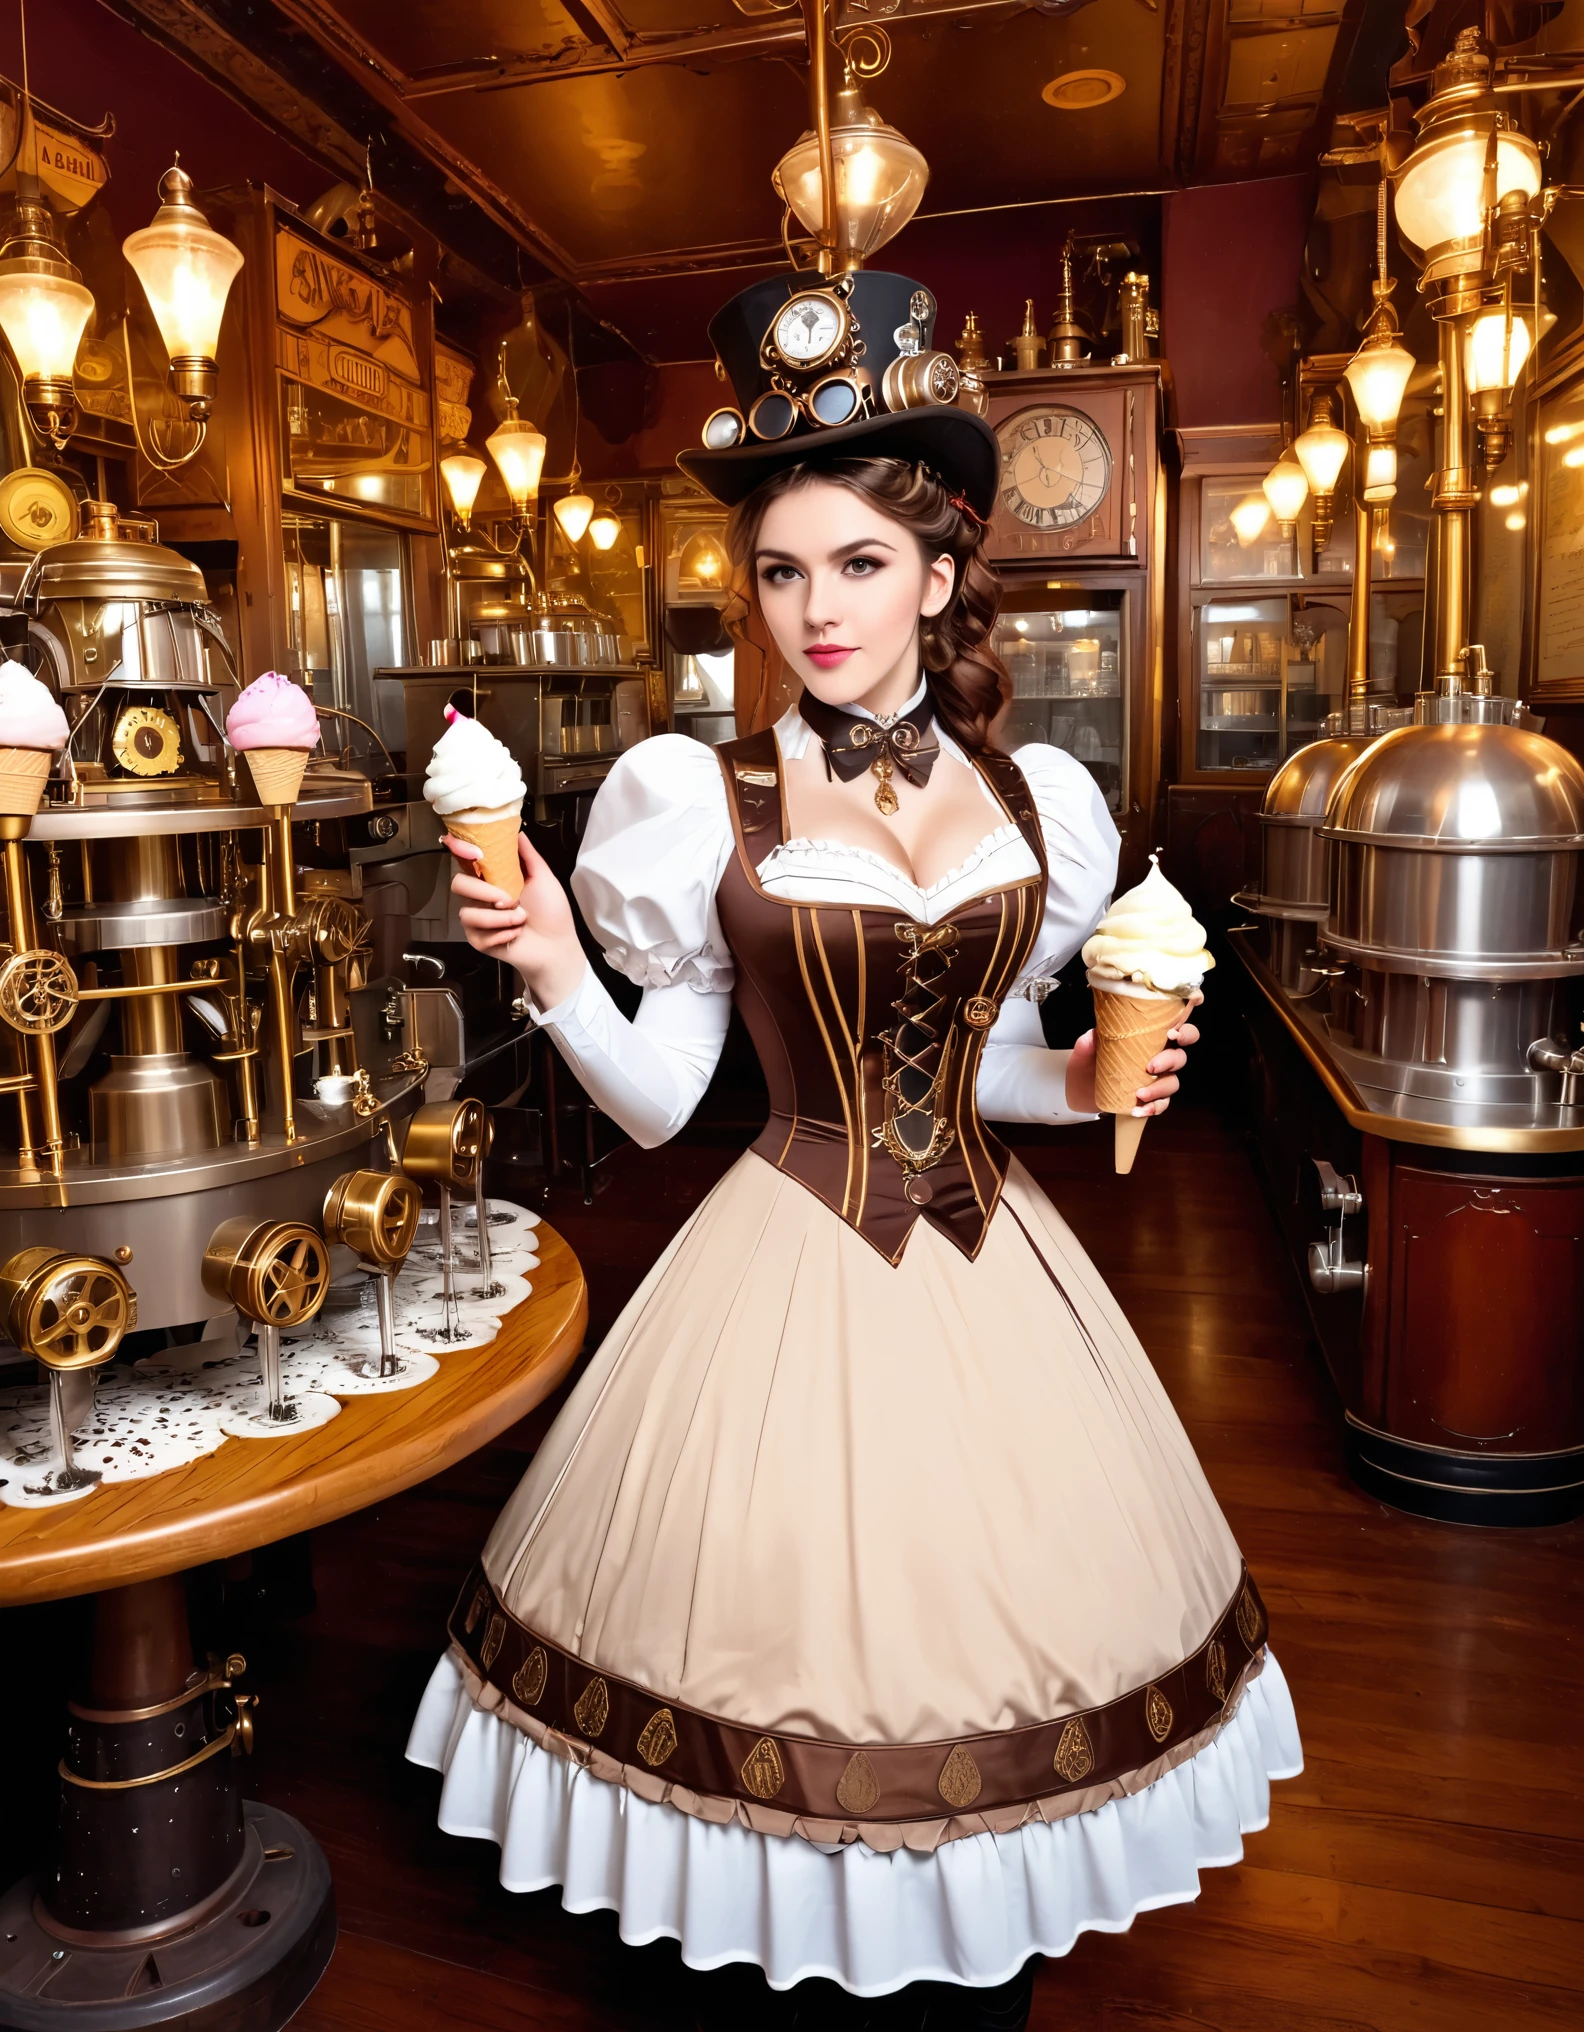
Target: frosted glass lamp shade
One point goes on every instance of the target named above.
(1380, 472)
(44, 312)
(463, 473)
(1286, 488)
(1440, 196)
(1493, 360)
(573, 512)
(186, 269)
(518, 450)
(604, 529)
(880, 178)
(1321, 451)
(1249, 518)
(1378, 376)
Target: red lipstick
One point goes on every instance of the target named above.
(828, 655)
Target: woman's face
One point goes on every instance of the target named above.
(842, 588)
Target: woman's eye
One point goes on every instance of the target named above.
(864, 567)
(779, 574)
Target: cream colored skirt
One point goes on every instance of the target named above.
(819, 1497)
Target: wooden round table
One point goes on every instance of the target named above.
(200, 1916)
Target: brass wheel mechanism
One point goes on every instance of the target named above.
(277, 1274)
(38, 991)
(375, 1215)
(447, 1143)
(70, 1313)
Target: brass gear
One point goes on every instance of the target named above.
(69, 1312)
(38, 991)
(276, 1272)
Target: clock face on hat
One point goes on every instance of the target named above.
(810, 329)
(1055, 467)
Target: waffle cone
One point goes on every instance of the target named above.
(496, 838)
(277, 773)
(1129, 1031)
(23, 775)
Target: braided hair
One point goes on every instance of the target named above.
(968, 683)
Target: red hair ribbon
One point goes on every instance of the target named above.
(967, 508)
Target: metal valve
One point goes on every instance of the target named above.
(276, 1273)
(445, 1147)
(375, 1215)
(71, 1313)
(1330, 1271)
(1545, 1055)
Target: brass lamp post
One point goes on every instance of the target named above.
(1469, 166)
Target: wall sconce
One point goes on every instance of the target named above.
(463, 473)
(1286, 488)
(1322, 451)
(518, 449)
(1494, 354)
(44, 310)
(186, 269)
(573, 511)
(604, 529)
(1466, 159)
(1378, 375)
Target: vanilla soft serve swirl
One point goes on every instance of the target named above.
(1149, 936)
(469, 770)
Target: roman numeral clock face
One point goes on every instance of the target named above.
(1055, 468)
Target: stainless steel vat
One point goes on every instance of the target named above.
(1457, 854)
(1457, 913)
(1293, 899)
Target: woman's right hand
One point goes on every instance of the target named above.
(536, 934)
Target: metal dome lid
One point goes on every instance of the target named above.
(114, 567)
(1456, 788)
(1301, 789)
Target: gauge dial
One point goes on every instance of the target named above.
(147, 742)
(1055, 467)
(37, 508)
(810, 330)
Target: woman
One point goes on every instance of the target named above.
(866, 1613)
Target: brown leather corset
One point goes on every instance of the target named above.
(869, 1026)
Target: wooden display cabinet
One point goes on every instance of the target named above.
(1079, 538)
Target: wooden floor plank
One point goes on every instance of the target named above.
(1424, 1874)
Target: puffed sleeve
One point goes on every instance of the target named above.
(657, 840)
(1081, 846)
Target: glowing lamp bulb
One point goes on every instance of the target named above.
(573, 512)
(1249, 518)
(604, 528)
(518, 450)
(463, 473)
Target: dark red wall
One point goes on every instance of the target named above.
(1232, 255)
(87, 62)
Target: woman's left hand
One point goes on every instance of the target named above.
(1153, 1099)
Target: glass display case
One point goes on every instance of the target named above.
(1066, 650)
(1268, 668)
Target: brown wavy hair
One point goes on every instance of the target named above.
(968, 682)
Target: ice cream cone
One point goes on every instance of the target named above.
(495, 834)
(277, 773)
(23, 774)
(1130, 1028)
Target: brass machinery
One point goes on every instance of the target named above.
(184, 1033)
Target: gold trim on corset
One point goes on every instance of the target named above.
(861, 947)
(830, 1049)
(855, 1050)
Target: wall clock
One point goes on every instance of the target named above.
(1055, 467)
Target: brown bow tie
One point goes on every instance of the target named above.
(853, 744)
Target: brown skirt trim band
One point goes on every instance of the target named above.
(824, 1780)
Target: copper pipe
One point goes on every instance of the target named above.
(126, 991)
(151, 1021)
(50, 1144)
(819, 105)
(1359, 619)
(1455, 499)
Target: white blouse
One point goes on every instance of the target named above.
(658, 840)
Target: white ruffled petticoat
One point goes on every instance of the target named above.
(971, 1911)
